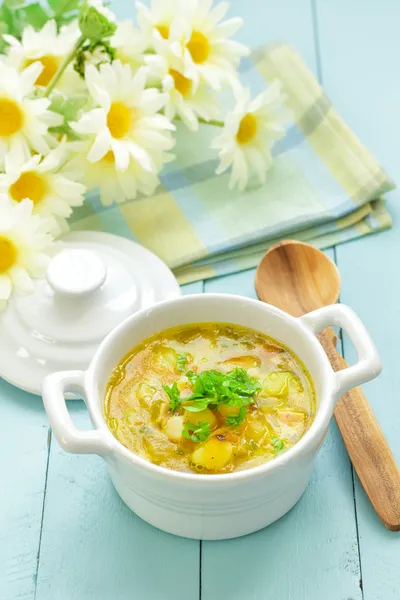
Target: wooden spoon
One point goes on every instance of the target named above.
(299, 278)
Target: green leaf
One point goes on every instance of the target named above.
(69, 108)
(196, 433)
(198, 404)
(14, 3)
(3, 29)
(191, 376)
(182, 361)
(36, 15)
(11, 21)
(61, 7)
(174, 396)
(236, 420)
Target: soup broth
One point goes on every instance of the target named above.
(209, 398)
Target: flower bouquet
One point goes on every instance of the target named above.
(87, 103)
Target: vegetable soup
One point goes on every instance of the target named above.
(209, 398)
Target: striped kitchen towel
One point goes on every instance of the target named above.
(324, 187)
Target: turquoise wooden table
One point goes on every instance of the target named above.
(64, 532)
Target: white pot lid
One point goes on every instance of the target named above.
(93, 283)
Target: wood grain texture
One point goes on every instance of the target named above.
(360, 76)
(366, 444)
(23, 461)
(95, 548)
(310, 553)
(299, 279)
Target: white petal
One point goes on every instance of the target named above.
(121, 155)
(14, 161)
(153, 139)
(141, 156)
(11, 40)
(228, 28)
(239, 175)
(5, 287)
(153, 101)
(68, 189)
(157, 122)
(101, 146)
(91, 122)
(102, 97)
(21, 279)
(29, 76)
(218, 12)
(226, 161)
(139, 79)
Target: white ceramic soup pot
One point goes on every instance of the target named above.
(219, 506)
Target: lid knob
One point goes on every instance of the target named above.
(76, 273)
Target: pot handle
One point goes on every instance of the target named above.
(54, 388)
(369, 363)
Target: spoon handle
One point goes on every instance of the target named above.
(366, 445)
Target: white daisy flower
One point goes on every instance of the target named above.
(187, 99)
(119, 186)
(130, 44)
(155, 21)
(24, 245)
(204, 43)
(48, 182)
(125, 119)
(48, 47)
(249, 133)
(24, 121)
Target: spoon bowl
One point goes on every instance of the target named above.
(297, 278)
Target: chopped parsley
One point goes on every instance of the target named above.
(238, 419)
(196, 433)
(191, 376)
(181, 362)
(212, 388)
(174, 396)
(235, 388)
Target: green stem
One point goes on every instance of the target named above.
(213, 122)
(64, 65)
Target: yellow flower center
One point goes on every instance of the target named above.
(8, 254)
(50, 66)
(119, 120)
(109, 157)
(247, 129)
(11, 117)
(29, 185)
(199, 47)
(182, 83)
(164, 31)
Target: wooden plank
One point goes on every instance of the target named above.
(94, 548)
(360, 76)
(311, 552)
(23, 461)
(192, 288)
